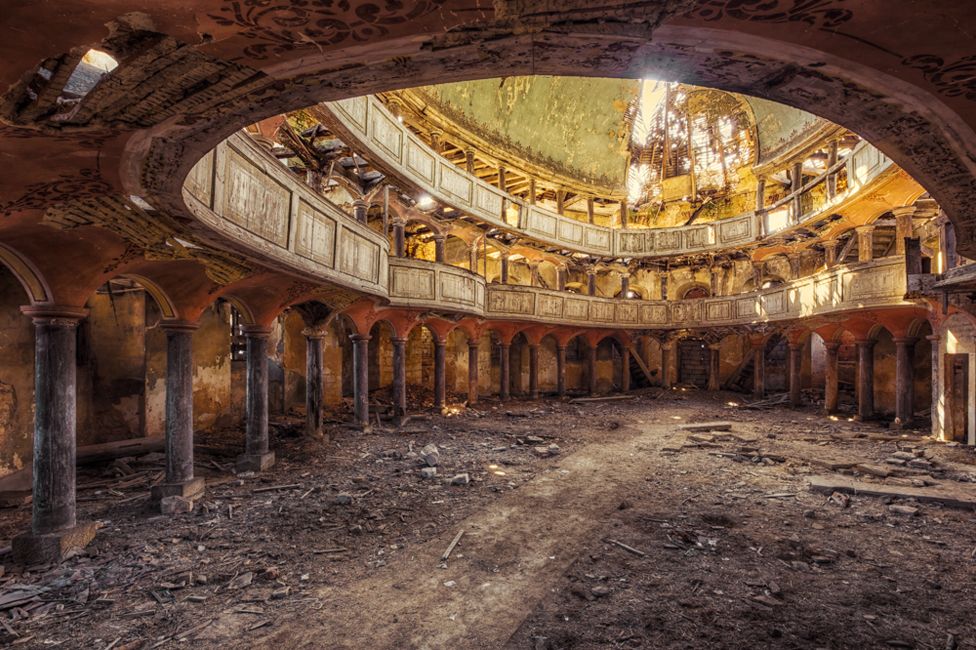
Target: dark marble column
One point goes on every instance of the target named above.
(472, 372)
(504, 271)
(360, 373)
(359, 209)
(759, 370)
(625, 370)
(904, 381)
(591, 369)
(313, 382)
(796, 365)
(561, 370)
(504, 352)
(179, 479)
(399, 377)
(257, 456)
(440, 374)
(830, 377)
(591, 283)
(534, 371)
(865, 379)
(714, 366)
(54, 528)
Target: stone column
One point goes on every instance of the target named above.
(560, 198)
(257, 455)
(904, 381)
(865, 379)
(533, 371)
(360, 377)
(865, 243)
(502, 185)
(714, 365)
(560, 279)
(591, 282)
(504, 377)
(796, 177)
(759, 370)
(904, 226)
(591, 369)
(796, 365)
(440, 373)
(830, 377)
(313, 382)
(561, 370)
(624, 285)
(439, 248)
(472, 372)
(534, 274)
(54, 528)
(359, 208)
(532, 191)
(435, 141)
(504, 263)
(937, 384)
(469, 160)
(590, 210)
(623, 214)
(760, 193)
(399, 376)
(625, 370)
(666, 349)
(399, 239)
(179, 479)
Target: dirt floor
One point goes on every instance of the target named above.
(628, 532)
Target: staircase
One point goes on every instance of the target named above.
(742, 378)
(638, 372)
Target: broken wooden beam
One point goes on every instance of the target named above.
(954, 497)
(706, 426)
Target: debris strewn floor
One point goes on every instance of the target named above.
(587, 525)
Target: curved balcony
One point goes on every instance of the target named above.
(367, 124)
(245, 194)
(242, 192)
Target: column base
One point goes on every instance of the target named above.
(51, 548)
(255, 462)
(191, 489)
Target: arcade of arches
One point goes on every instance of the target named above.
(289, 231)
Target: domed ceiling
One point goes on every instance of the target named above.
(583, 128)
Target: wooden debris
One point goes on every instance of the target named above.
(605, 398)
(706, 426)
(273, 488)
(629, 549)
(956, 497)
(450, 547)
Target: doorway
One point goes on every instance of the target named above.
(693, 362)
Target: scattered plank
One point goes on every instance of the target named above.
(450, 547)
(273, 488)
(605, 398)
(955, 497)
(706, 426)
(629, 549)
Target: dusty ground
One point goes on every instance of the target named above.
(737, 552)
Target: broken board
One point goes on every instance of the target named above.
(955, 497)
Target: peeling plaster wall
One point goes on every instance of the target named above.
(16, 377)
(293, 362)
(956, 336)
(212, 370)
(777, 125)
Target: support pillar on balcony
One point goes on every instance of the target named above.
(399, 239)
(904, 226)
(439, 248)
(504, 377)
(257, 455)
(830, 377)
(399, 377)
(313, 381)
(865, 379)
(624, 285)
(179, 480)
(590, 210)
(831, 161)
(359, 210)
(502, 184)
(623, 214)
(533, 371)
(469, 161)
(561, 370)
(713, 366)
(440, 373)
(760, 193)
(904, 381)
(504, 272)
(360, 374)
(532, 191)
(472, 372)
(591, 282)
(865, 243)
(796, 365)
(54, 528)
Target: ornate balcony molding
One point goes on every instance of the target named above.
(370, 127)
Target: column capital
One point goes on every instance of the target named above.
(866, 228)
(356, 338)
(832, 346)
(315, 333)
(903, 211)
(795, 346)
(256, 331)
(714, 346)
(869, 343)
(934, 338)
(178, 325)
(360, 203)
(61, 315)
(473, 343)
(399, 339)
(905, 340)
